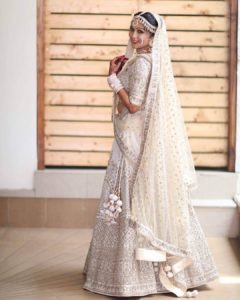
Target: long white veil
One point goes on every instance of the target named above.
(165, 171)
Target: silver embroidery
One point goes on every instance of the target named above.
(110, 266)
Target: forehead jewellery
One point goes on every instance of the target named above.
(140, 19)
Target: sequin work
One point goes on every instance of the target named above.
(111, 267)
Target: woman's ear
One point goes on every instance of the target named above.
(151, 42)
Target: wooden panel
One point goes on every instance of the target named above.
(78, 98)
(105, 98)
(184, 53)
(211, 115)
(101, 68)
(101, 159)
(78, 113)
(128, 6)
(105, 37)
(40, 82)
(92, 159)
(79, 143)
(210, 159)
(69, 21)
(203, 99)
(105, 144)
(233, 35)
(99, 83)
(104, 114)
(81, 38)
(208, 145)
(105, 129)
(206, 130)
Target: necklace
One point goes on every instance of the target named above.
(144, 50)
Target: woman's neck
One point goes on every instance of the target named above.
(144, 50)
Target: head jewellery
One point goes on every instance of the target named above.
(148, 26)
(155, 29)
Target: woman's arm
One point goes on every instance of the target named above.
(120, 107)
(116, 85)
(123, 95)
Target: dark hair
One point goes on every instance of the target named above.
(149, 17)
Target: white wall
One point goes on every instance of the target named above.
(18, 158)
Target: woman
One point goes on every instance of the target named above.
(147, 238)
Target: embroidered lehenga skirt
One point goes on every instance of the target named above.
(111, 267)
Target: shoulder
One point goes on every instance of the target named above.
(144, 58)
(143, 61)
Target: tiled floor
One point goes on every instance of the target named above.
(46, 264)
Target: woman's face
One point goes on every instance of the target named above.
(138, 35)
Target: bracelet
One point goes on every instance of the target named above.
(114, 83)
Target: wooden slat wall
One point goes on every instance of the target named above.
(80, 39)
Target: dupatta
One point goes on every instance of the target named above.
(164, 173)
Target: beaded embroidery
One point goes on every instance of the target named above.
(112, 248)
(144, 22)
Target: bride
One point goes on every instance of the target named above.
(147, 238)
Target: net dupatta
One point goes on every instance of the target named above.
(164, 173)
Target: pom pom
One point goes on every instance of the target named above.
(169, 274)
(189, 294)
(112, 208)
(119, 202)
(167, 268)
(113, 197)
(195, 293)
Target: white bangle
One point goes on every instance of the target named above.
(114, 83)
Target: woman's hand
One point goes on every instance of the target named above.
(116, 64)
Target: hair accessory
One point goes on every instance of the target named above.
(139, 18)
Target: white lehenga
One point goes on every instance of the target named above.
(111, 267)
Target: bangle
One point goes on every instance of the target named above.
(114, 83)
